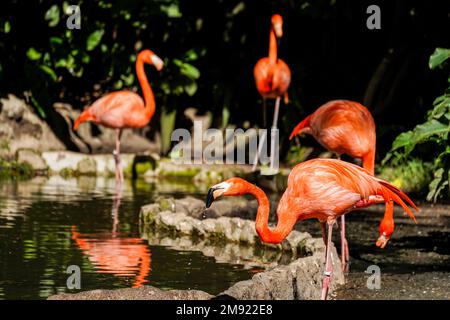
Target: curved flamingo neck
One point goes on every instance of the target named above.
(273, 47)
(149, 98)
(369, 161)
(268, 235)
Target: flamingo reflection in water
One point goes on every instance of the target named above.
(122, 257)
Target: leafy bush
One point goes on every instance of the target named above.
(430, 138)
(411, 176)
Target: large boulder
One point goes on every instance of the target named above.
(21, 128)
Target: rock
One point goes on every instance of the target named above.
(176, 215)
(21, 128)
(233, 207)
(141, 293)
(191, 206)
(87, 166)
(74, 162)
(33, 158)
(299, 280)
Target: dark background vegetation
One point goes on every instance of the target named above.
(211, 46)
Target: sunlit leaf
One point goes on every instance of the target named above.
(52, 15)
(94, 39)
(172, 10)
(56, 40)
(49, 71)
(6, 27)
(191, 88)
(438, 57)
(33, 54)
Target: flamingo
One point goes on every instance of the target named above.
(272, 78)
(346, 127)
(125, 109)
(324, 189)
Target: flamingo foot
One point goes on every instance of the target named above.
(382, 241)
(326, 284)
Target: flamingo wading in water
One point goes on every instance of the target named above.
(272, 78)
(322, 189)
(346, 127)
(125, 109)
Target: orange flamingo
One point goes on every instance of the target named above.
(123, 257)
(125, 109)
(272, 78)
(113, 255)
(345, 127)
(323, 189)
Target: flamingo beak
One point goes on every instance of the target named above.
(278, 31)
(211, 196)
(157, 62)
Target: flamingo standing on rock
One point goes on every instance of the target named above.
(272, 78)
(125, 109)
(324, 189)
(346, 127)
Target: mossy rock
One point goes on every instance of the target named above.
(32, 158)
(15, 170)
(87, 166)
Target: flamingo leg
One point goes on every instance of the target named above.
(345, 256)
(117, 158)
(273, 134)
(258, 152)
(263, 137)
(328, 263)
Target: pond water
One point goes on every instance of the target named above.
(47, 225)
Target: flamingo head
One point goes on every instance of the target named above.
(386, 231)
(277, 25)
(230, 187)
(150, 57)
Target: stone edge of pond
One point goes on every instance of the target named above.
(148, 166)
(301, 279)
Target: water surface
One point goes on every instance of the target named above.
(47, 225)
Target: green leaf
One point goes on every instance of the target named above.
(438, 57)
(6, 27)
(191, 55)
(172, 10)
(56, 40)
(52, 15)
(49, 71)
(420, 134)
(33, 54)
(441, 107)
(94, 39)
(190, 71)
(191, 88)
(38, 107)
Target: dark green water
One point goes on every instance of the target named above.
(48, 225)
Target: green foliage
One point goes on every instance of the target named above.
(411, 176)
(432, 136)
(57, 63)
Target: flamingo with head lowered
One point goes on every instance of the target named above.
(125, 109)
(346, 127)
(272, 78)
(322, 189)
